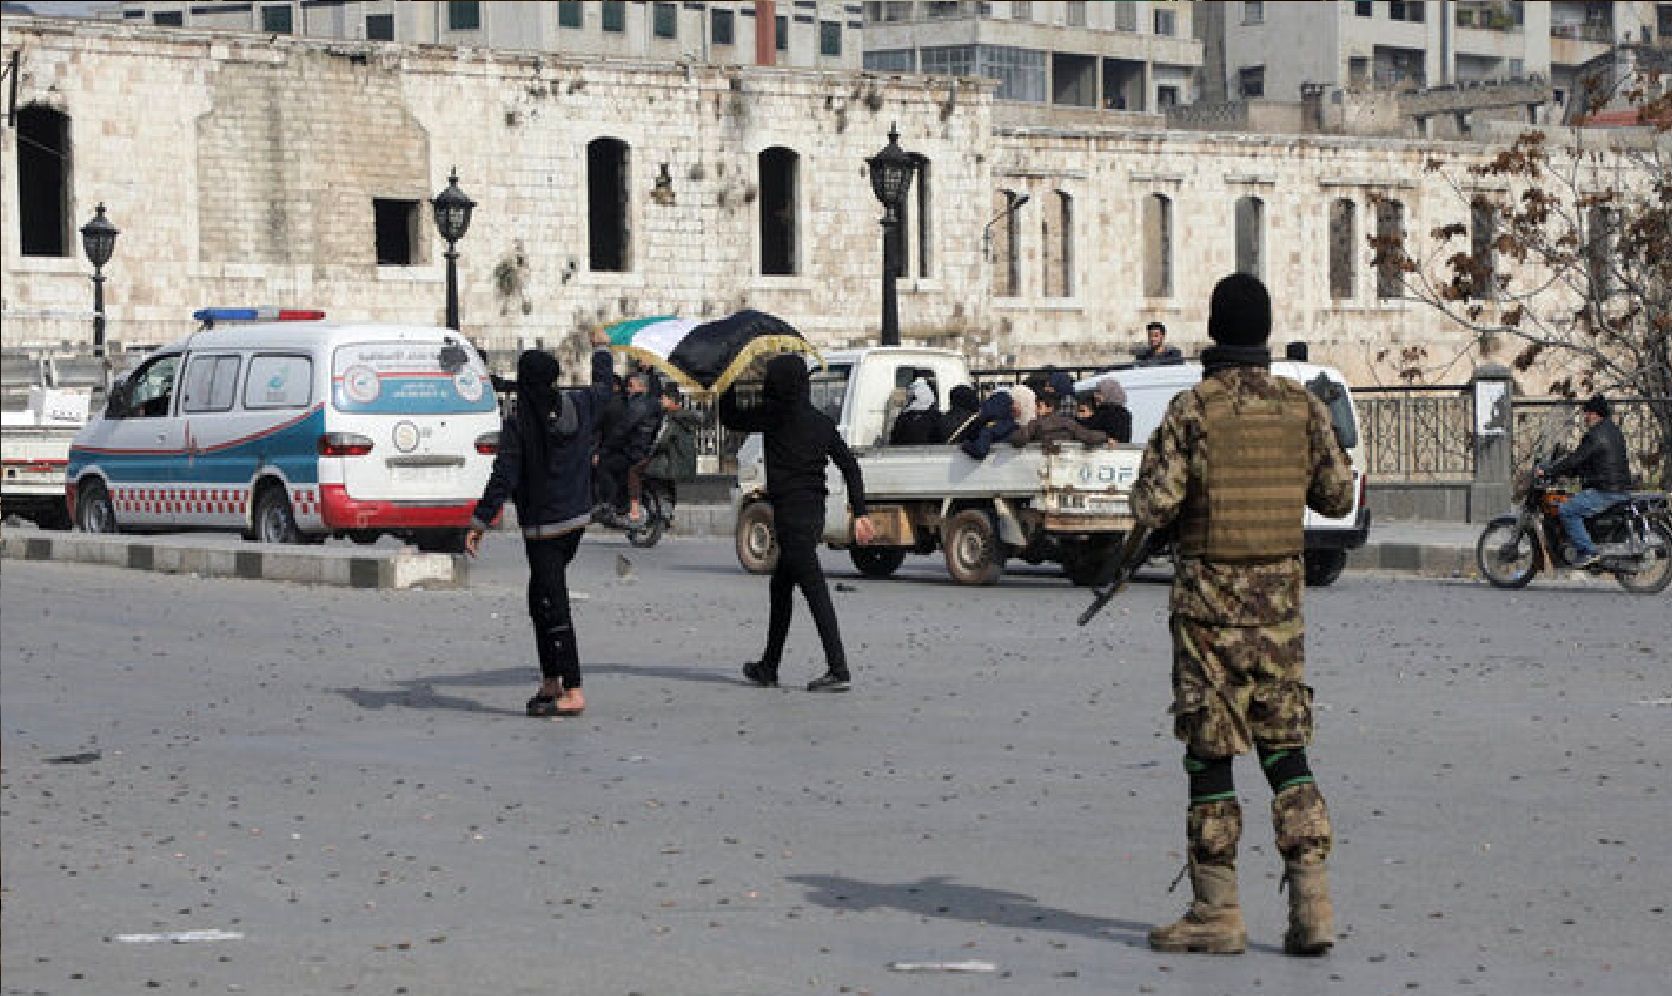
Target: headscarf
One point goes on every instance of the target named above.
(1110, 392)
(922, 396)
(537, 399)
(1022, 397)
(787, 382)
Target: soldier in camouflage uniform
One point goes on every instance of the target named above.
(1231, 467)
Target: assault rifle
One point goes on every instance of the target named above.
(1140, 543)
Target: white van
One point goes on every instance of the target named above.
(289, 429)
(1150, 389)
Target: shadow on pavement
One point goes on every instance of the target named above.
(419, 693)
(936, 896)
(673, 671)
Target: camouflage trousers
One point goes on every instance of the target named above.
(1236, 688)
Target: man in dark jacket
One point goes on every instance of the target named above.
(1603, 467)
(673, 457)
(962, 406)
(994, 424)
(1157, 353)
(799, 439)
(625, 446)
(544, 466)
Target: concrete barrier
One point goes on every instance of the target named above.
(219, 557)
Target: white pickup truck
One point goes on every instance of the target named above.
(1063, 503)
(34, 449)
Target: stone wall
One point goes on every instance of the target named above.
(242, 170)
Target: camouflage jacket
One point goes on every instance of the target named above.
(1227, 593)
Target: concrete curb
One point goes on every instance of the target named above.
(1425, 559)
(305, 565)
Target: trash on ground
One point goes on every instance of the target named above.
(942, 966)
(181, 937)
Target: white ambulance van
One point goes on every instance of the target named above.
(1150, 389)
(289, 429)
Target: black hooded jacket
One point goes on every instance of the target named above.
(799, 438)
(962, 407)
(1600, 460)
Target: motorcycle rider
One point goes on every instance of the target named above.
(1601, 464)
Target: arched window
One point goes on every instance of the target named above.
(608, 233)
(1006, 240)
(1390, 233)
(914, 253)
(1158, 246)
(1251, 236)
(43, 181)
(779, 179)
(1343, 249)
(1057, 242)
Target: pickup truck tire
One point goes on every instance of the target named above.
(1323, 567)
(94, 512)
(875, 563)
(972, 548)
(757, 543)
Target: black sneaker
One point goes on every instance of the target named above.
(1587, 561)
(829, 681)
(759, 674)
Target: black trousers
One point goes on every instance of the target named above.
(611, 478)
(798, 526)
(548, 606)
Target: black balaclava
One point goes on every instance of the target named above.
(537, 398)
(1239, 323)
(787, 382)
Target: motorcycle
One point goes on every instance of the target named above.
(657, 498)
(1632, 537)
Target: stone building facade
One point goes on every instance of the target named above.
(244, 170)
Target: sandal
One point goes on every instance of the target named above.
(541, 706)
(573, 703)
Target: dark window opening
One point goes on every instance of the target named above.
(1166, 22)
(1390, 235)
(1006, 251)
(830, 37)
(43, 181)
(1252, 80)
(1343, 249)
(1057, 243)
(778, 180)
(1483, 250)
(169, 19)
(923, 205)
(569, 14)
(723, 27)
(1158, 246)
(1363, 8)
(615, 15)
(782, 30)
(277, 20)
(464, 15)
(666, 20)
(380, 27)
(606, 186)
(1251, 236)
(397, 231)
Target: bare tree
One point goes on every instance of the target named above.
(1565, 248)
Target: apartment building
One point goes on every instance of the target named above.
(812, 34)
(1269, 49)
(1115, 56)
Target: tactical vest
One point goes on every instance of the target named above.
(1249, 503)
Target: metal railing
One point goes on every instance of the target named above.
(1541, 424)
(1417, 434)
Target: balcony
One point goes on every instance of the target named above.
(1601, 33)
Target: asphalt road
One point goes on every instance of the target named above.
(345, 779)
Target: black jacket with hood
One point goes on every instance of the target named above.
(544, 463)
(798, 437)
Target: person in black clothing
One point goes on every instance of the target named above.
(920, 423)
(799, 438)
(624, 445)
(1603, 467)
(544, 466)
(963, 405)
(1109, 412)
(1157, 353)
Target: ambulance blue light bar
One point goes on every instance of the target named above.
(210, 316)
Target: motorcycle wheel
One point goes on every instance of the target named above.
(1507, 555)
(655, 520)
(1654, 577)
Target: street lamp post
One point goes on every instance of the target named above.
(98, 240)
(452, 220)
(891, 172)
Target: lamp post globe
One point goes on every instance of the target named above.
(891, 173)
(452, 219)
(98, 241)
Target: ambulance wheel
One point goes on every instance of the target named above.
(757, 543)
(94, 512)
(274, 521)
(972, 548)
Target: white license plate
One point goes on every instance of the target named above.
(423, 475)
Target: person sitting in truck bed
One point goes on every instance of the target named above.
(995, 425)
(920, 423)
(962, 414)
(1109, 412)
(1054, 421)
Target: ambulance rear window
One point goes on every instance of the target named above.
(410, 378)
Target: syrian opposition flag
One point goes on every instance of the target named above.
(707, 357)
